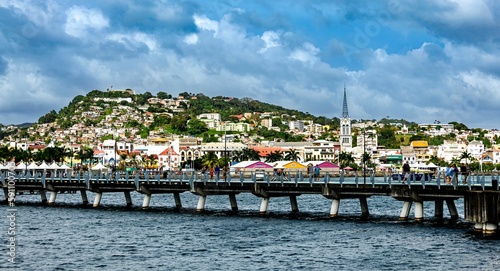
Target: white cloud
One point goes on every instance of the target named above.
(271, 39)
(191, 39)
(135, 40)
(307, 53)
(203, 23)
(79, 20)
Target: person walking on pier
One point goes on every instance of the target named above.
(465, 172)
(217, 172)
(448, 175)
(406, 171)
(316, 172)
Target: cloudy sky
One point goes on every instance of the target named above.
(420, 60)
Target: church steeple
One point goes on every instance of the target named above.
(345, 126)
(345, 113)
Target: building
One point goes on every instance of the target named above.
(345, 127)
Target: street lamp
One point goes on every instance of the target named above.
(364, 154)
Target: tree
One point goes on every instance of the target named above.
(292, 155)
(345, 159)
(196, 127)
(467, 156)
(210, 160)
(274, 156)
(162, 95)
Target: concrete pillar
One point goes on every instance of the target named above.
(128, 198)
(146, 201)
(97, 199)
(53, 195)
(43, 196)
(405, 212)
(438, 209)
(364, 207)
(263, 206)
(293, 203)
(85, 200)
(452, 208)
(486, 227)
(234, 204)
(334, 209)
(419, 210)
(201, 203)
(177, 199)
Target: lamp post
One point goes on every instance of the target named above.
(364, 153)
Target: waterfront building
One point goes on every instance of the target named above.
(168, 159)
(322, 150)
(476, 149)
(451, 149)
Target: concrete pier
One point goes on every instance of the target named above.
(364, 207)
(334, 209)
(97, 199)
(480, 198)
(43, 196)
(293, 203)
(452, 208)
(263, 206)
(419, 210)
(405, 212)
(85, 200)
(128, 198)
(177, 200)
(232, 201)
(52, 199)
(146, 201)
(482, 207)
(438, 209)
(201, 203)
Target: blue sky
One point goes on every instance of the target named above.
(416, 60)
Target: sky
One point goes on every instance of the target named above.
(419, 60)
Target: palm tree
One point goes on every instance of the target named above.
(250, 154)
(86, 153)
(274, 156)
(345, 159)
(69, 152)
(292, 155)
(237, 156)
(210, 160)
(466, 155)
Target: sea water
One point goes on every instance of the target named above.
(69, 236)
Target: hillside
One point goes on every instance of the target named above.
(163, 113)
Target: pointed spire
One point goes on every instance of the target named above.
(345, 113)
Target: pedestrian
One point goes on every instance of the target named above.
(217, 172)
(316, 172)
(211, 173)
(448, 175)
(406, 171)
(464, 172)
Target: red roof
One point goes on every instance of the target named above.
(168, 151)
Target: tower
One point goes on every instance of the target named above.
(345, 126)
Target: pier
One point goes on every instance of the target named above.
(480, 194)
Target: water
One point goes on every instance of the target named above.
(112, 237)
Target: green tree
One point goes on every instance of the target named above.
(345, 159)
(274, 156)
(210, 160)
(196, 127)
(292, 155)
